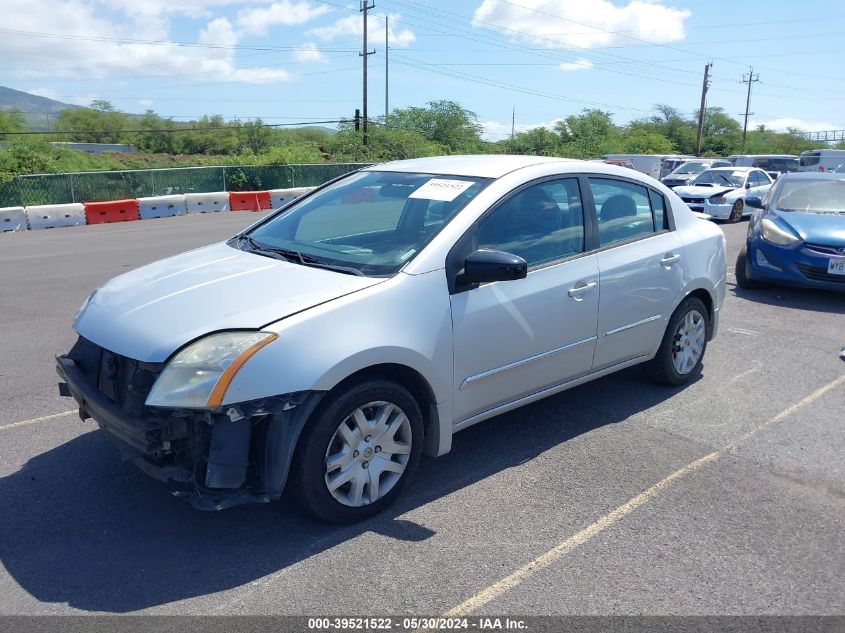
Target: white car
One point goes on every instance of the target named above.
(721, 192)
(325, 348)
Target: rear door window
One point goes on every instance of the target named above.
(623, 209)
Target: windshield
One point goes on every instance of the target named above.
(813, 196)
(369, 223)
(690, 168)
(720, 178)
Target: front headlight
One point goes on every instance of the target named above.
(198, 376)
(771, 232)
(718, 200)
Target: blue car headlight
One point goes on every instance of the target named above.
(775, 234)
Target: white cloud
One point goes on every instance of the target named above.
(583, 23)
(498, 131)
(309, 52)
(353, 26)
(79, 54)
(256, 20)
(145, 103)
(578, 64)
(781, 125)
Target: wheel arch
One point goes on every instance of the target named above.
(436, 426)
(706, 297)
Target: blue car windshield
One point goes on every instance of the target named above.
(369, 223)
(812, 196)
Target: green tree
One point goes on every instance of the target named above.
(539, 141)
(443, 122)
(208, 135)
(588, 135)
(155, 136)
(255, 136)
(101, 123)
(642, 138)
(680, 130)
(12, 121)
(384, 144)
(721, 135)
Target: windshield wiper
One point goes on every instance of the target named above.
(244, 238)
(310, 260)
(295, 256)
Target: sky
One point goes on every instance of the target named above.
(530, 62)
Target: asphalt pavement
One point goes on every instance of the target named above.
(616, 497)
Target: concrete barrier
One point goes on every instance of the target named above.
(207, 202)
(249, 200)
(111, 211)
(13, 219)
(161, 206)
(48, 216)
(280, 197)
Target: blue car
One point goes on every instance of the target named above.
(796, 235)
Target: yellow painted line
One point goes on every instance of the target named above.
(15, 425)
(544, 560)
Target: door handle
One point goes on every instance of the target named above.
(670, 258)
(577, 291)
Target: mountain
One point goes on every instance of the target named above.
(37, 110)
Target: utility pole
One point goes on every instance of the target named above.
(704, 86)
(513, 121)
(357, 120)
(386, 48)
(751, 79)
(366, 6)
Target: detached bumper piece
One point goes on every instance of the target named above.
(206, 457)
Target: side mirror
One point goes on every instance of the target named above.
(754, 201)
(485, 265)
(748, 185)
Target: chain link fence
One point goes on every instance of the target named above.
(98, 186)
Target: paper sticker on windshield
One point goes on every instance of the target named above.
(442, 189)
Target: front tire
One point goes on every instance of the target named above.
(736, 211)
(680, 354)
(741, 271)
(358, 451)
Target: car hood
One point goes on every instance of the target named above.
(151, 312)
(827, 229)
(702, 191)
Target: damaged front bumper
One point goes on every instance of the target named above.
(214, 459)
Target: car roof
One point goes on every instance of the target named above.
(480, 166)
(762, 156)
(735, 169)
(812, 175)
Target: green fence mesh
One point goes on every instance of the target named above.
(115, 185)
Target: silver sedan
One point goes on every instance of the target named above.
(328, 346)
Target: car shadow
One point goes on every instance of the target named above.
(807, 299)
(80, 527)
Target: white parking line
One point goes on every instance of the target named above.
(15, 425)
(546, 559)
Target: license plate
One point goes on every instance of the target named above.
(836, 267)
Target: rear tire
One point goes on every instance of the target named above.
(368, 436)
(680, 354)
(741, 271)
